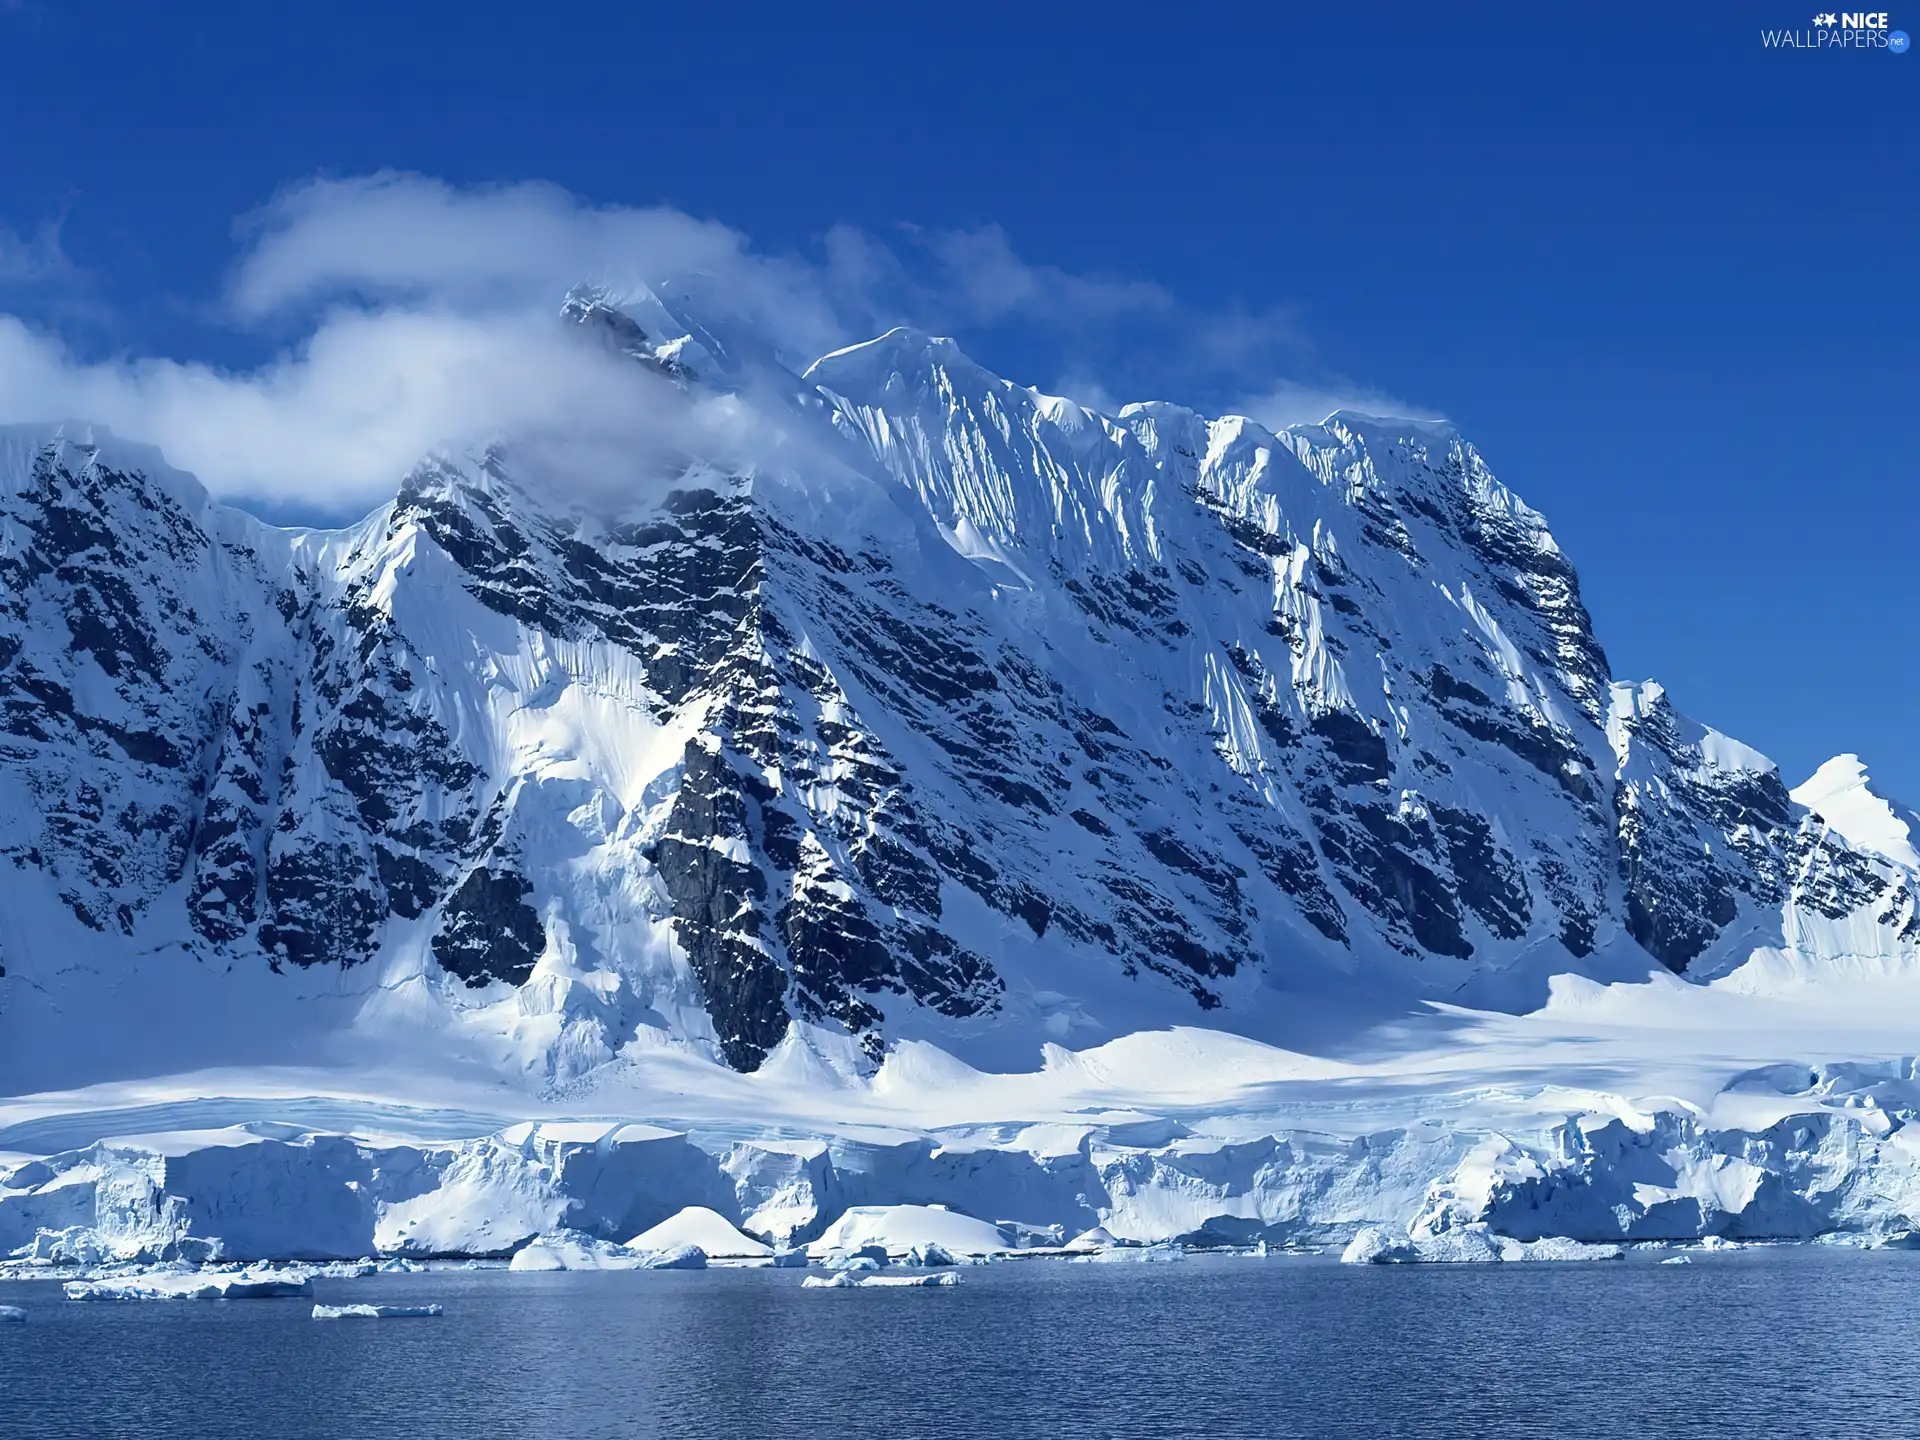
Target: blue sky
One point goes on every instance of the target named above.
(1664, 278)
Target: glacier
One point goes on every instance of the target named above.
(1143, 825)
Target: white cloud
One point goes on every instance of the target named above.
(1289, 403)
(425, 315)
(409, 239)
(1115, 335)
(36, 259)
(339, 420)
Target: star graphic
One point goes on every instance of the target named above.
(1828, 18)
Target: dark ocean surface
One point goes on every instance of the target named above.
(1789, 1342)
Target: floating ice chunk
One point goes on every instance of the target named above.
(930, 1256)
(1374, 1246)
(1133, 1255)
(852, 1280)
(1557, 1247)
(572, 1251)
(1676, 1260)
(375, 1312)
(897, 1229)
(242, 1285)
(1471, 1245)
(345, 1269)
(12, 1314)
(854, 1262)
(707, 1229)
(558, 1252)
(679, 1257)
(789, 1260)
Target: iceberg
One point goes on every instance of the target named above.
(1374, 1246)
(708, 1229)
(851, 1280)
(561, 1252)
(900, 1229)
(1472, 1245)
(12, 1314)
(375, 1312)
(244, 1285)
(568, 1251)
(678, 1257)
(1133, 1255)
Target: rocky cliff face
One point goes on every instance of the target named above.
(978, 716)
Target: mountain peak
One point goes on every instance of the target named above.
(870, 365)
(1843, 794)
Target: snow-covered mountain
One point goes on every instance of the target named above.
(963, 713)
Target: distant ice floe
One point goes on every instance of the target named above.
(1132, 1255)
(1377, 1246)
(583, 1252)
(12, 1314)
(853, 1280)
(243, 1285)
(897, 1230)
(376, 1312)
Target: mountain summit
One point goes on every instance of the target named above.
(962, 713)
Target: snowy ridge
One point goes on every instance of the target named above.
(1842, 794)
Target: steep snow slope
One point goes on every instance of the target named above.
(962, 713)
(1842, 794)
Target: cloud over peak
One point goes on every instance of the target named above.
(423, 314)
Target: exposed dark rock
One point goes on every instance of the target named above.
(488, 931)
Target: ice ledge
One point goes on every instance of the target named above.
(1833, 1157)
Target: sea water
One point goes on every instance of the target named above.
(1789, 1342)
